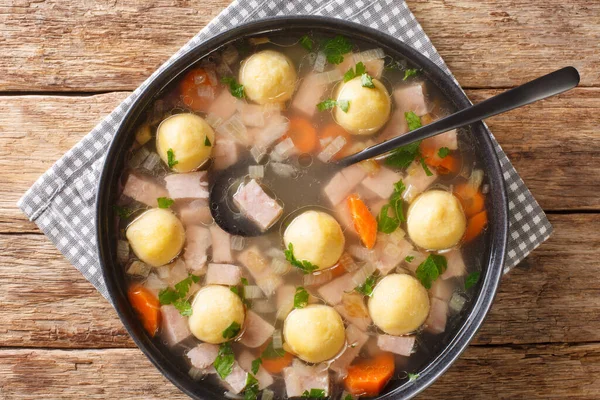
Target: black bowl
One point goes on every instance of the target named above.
(106, 228)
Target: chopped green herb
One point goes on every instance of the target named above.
(306, 42)
(385, 223)
(271, 353)
(256, 365)
(344, 105)
(443, 152)
(409, 258)
(397, 202)
(335, 49)
(367, 287)
(412, 377)
(305, 266)
(235, 290)
(178, 296)
(251, 390)
(300, 298)
(183, 286)
(472, 279)
(184, 307)
(367, 81)
(430, 269)
(413, 120)
(314, 394)
(403, 156)
(232, 330)
(123, 212)
(235, 88)
(207, 142)
(224, 362)
(348, 397)
(244, 281)
(354, 72)
(410, 72)
(425, 167)
(326, 105)
(168, 296)
(171, 158)
(165, 202)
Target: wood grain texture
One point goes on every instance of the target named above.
(114, 45)
(553, 297)
(37, 130)
(521, 372)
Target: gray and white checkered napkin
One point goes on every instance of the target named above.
(61, 202)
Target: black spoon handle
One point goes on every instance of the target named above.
(537, 89)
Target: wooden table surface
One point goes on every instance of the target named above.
(65, 65)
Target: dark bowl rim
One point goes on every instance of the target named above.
(499, 212)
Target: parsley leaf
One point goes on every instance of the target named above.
(167, 296)
(443, 152)
(271, 353)
(403, 156)
(251, 390)
(305, 266)
(425, 167)
(224, 362)
(207, 142)
(410, 72)
(413, 120)
(256, 365)
(412, 377)
(314, 394)
(367, 287)
(385, 223)
(367, 81)
(165, 202)
(335, 49)
(171, 158)
(354, 72)
(348, 397)
(397, 202)
(177, 297)
(430, 269)
(409, 258)
(300, 298)
(344, 105)
(183, 286)
(244, 281)
(184, 307)
(123, 212)
(232, 330)
(306, 42)
(235, 88)
(472, 279)
(326, 104)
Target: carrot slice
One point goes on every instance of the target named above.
(364, 222)
(429, 153)
(146, 306)
(368, 377)
(449, 165)
(188, 87)
(303, 134)
(338, 270)
(472, 201)
(333, 130)
(275, 365)
(475, 225)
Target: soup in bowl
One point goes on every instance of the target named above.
(364, 281)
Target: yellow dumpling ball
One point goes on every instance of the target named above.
(435, 220)
(399, 304)
(315, 237)
(189, 137)
(214, 309)
(268, 77)
(156, 237)
(368, 110)
(314, 333)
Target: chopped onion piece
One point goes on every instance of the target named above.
(332, 149)
(362, 274)
(320, 62)
(371, 166)
(476, 179)
(362, 253)
(325, 141)
(252, 292)
(259, 40)
(280, 266)
(123, 251)
(214, 120)
(258, 153)
(154, 283)
(283, 150)
(368, 55)
(164, 272)
(256, 171)
(199, 79)
(311, 58)
(138, 158)
(348, 262)
(410, 193)
(263, 306)
(325, 78)
(392, 250)
(138, 268)
(277, 339)
(485, 189)
(237, 243)
(234, 128)
(284, 170)
(196, 373)
(317, 279)
(457, 302)
(151, 162)
(223, 70)
(212, 77)
(233, 396)
(397, 236)
(205, 92)
(274, 252)
(285, 309)
(267, 395)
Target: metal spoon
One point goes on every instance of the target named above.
(221, 188)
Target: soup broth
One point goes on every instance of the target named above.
(370, 268)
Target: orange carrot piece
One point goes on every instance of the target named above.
(475, 225)
(364, 222)
(333, 130)
(338, 270)
(146, 306)
(429, 152)
(449, 165)
(368, 377)
(275, 365)
(303, 134)
(472, 201)
(188, 87)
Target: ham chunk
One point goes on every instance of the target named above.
(438, 313)
(354, 174)
(396, 126)
(221, 244)
(382, 182)
(360, 322)
(195, 212)
(417, 181)
(411, 98)
(401, 345)
(223, 274)
(257, 330)
(300, 377)
(174, 326)
(275, 127)
(197, 243)
(261, 271)
(332, 292)
(342, 183)
(187, 186)
(456, 265)
(442, 290)
(285, 300)
(225, 153)
(236, 380)
(447, 139)
(253, 115)
(262, 376)
(356, 339)
(417, 258)
(144, 189)
(390, 254)
(203, 355)
(224, 106)
(177, 271)
(375, 67)
(256, 205)
(309, 94)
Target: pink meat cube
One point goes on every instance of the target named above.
(416, 179)
(255, 204)
(401, 345)
(356, 339)
(253, 115)
(236, 380)
(225, 153)
(197, 243)
(442, 290)
(285, 300)
(438, 313)
(347, 63)
(223, 274)
(332, 292)
(354, 174)
(203, 355)
(221, 244)
(224, 106)
(396, 126)
(411, 98)
(300, 377)
(375, 67)
(391, 254)
(417, 258)
(456, 264)
(174, 326)
(144, 189)
(275, 127)
(257, 331)
(377, 205)
(447, 139)
(382, 182)
(309, 94)
(262, 376)
(343, 216)
(177, 271)
(191, 185)
(265, 278)
(360, 322)
(195, 212)
(342, 183)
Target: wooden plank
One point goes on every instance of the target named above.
(544, 300)
(106, 45)
(531, 372)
